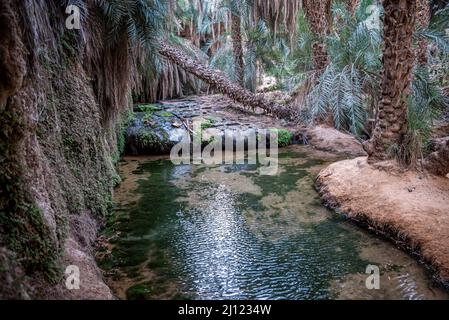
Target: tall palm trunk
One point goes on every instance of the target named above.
(352, 6)
(318, 13)
(397, 60)
(219, 81)
(422, 21)
(237, 47)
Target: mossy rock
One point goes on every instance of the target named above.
(150, 133)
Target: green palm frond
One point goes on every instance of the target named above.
(440, 39)
(348, 85)
(142, 21)
(440, 20)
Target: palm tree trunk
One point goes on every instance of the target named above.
(237, 47)
(397, 60)
(219, 81)
(352, 6)
(317, 13)
(422, 21)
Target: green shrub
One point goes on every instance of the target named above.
(284, 138)
(208, 123)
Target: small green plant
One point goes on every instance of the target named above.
(212, 140)
(147, 118)
(425, 105)
(147, 138)
(208, 123)
(284, 138)
(147, 108)
(165, 114)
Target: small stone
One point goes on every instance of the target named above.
(176, 124)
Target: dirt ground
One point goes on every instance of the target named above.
(409, 207)
(330, 139)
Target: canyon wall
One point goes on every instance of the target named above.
(61, 94)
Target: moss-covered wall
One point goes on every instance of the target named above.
(58, 145)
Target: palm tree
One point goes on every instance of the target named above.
(397, 61)
(144, 21)
(237, 47)
(318, 16)
(265, 26)
(352, 6)
(278, 14)
(422, 21)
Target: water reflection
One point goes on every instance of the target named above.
(208, 245)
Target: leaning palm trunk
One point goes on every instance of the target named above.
(237, 47)
(422, 21)
(222, 83)
(397, 60)
(317, 13)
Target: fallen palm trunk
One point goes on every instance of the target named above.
(221, 82)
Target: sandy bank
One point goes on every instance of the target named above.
(330, 139)
(407, 207)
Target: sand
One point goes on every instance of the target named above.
(408, 207)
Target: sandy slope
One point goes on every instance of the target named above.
(411, 208)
